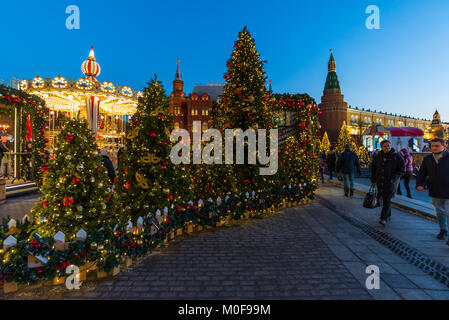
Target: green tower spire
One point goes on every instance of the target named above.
(332, 78)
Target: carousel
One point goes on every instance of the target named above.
(106, 106)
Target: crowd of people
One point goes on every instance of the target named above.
(386, 170)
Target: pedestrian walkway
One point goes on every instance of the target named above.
(18, 207)
(317, 251)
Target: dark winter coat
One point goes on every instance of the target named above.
(3, 149)
(331, 161)
(348, 163)
(438, 174)
(110, 167)
(386, 171)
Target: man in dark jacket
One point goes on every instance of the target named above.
(331, 160)
(435, 167)
(386, 171)
(348, 163)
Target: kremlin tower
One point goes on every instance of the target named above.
(333, 106)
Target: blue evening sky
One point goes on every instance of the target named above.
(402, 68)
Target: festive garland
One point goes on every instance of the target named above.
(34, 107)
(108, 245)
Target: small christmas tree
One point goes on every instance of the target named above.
(325, 144)
(76, 189)
(147, 179)
(344, 138)
(363, 156)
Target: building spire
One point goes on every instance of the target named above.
(332, 66)
(178, 72)
(332, 78)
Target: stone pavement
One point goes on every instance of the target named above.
(18, 207)
(308, 252)
(418, 195)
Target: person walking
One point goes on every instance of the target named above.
(322, 164)
(331, 161)
(348, 163)
(435, 168)
(386, 171)
(408, 160)
(3, 150)
(108, 164)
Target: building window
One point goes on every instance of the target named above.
(391, 123)
(378, 121)
(205, 97)
(366, 120)
(354, 118)
(205, 111)
(401, 123)
(194, 111)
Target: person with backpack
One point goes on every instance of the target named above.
(348, 163)
(386, 170)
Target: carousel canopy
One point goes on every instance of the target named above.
(63, 94)
(405, 132)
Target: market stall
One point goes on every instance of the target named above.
(401, 137)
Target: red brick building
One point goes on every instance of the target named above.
(333, 106)
(193, 107)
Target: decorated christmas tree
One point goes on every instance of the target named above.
(147, 179)
(325, 144)
(299, 153)
(245, 104)
(344, 138)
(76, 189)
(363, 155)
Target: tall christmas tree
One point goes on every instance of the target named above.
(147, 179)
(344, 138)
(325, 144)
(245, 104)
(76, 189)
